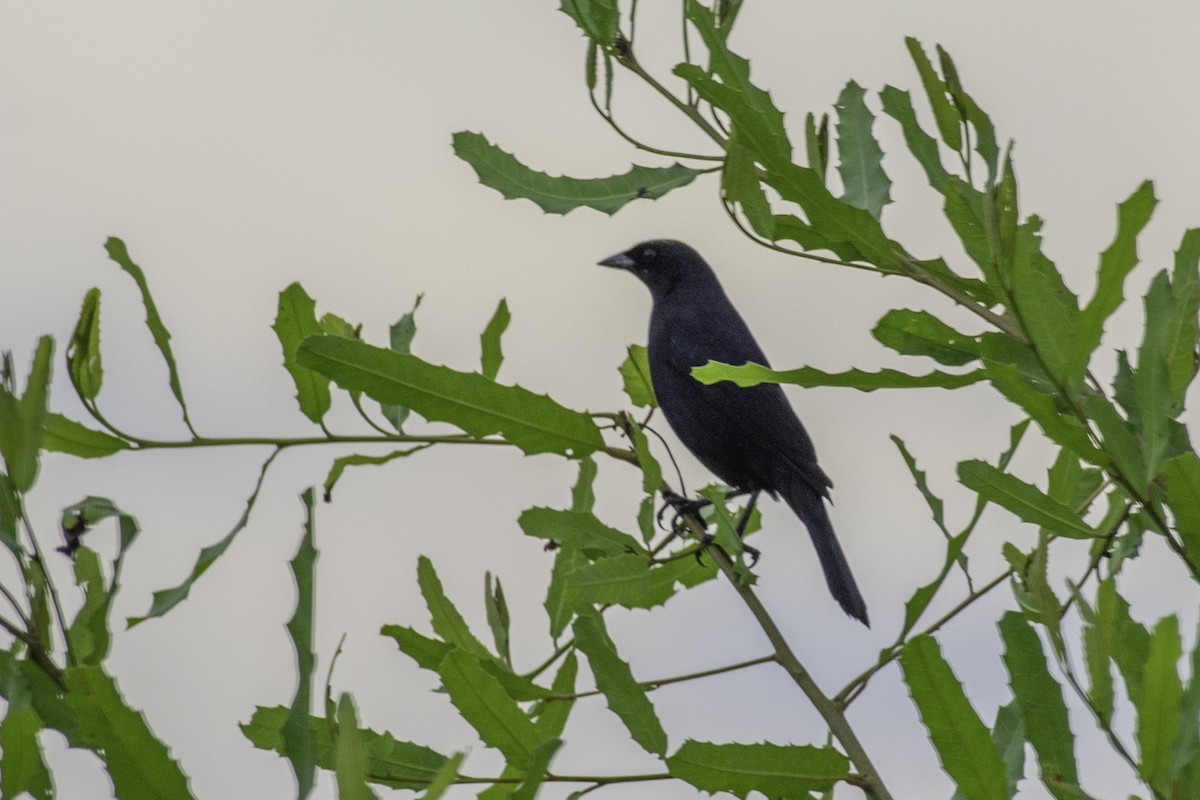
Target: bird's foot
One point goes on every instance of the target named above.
(681, 506)
(753, 552)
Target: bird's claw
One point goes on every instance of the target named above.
(753, 552)
(682, 506)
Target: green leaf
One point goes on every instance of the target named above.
(919, 333)
(83, 350)
(635, 373)
(1127, 641)
(773, 770)
(816, 140)
(559, 194)
(400, 765)
(350, 754)
(985, 135)
(166, 599)
(400, 336)
(358, 460)
(860, 159)
(1152, 381)
(299, 742)
(630, 581)
(10, 513)
(22, 766)
(897, 104)
(444, 778)
(1115, 264)
(1046, 309)
(1026, 501)
(1187, 742)
(482, 702)
(596, 18)
(1183, 324)
(750, 109)
(1096, 655)
(742, 186)
(138, 764)
(1060, 428)
(1042, 708)
(558, 604)
(754, 374)
(428, 653)
(295, 321)
(489, 340)
(23, 419)
(964, 746)
(532, 422)
(497, 616)
(448, 623)
(1009, 735)
(1119, 439)
(536, 774)
(579, 530)
(949, 120)
(583, 496)
(64, 435)
(1182, 475)
(162, 337)
(652, 479)
(551, 715)
(88, 633)
(624, 695)
(964, 209)
(1158, 708)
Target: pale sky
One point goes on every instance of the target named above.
(237, 147)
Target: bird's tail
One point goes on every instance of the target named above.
(810, 508)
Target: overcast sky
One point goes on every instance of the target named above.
(237, 147)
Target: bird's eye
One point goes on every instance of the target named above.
(648, 254)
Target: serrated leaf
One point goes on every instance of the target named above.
(484, 704)
(299, 743)
(162, 337)
(534, 423)
(949, 120)
(559, 194)
(816, 140)
(741, 186)
(22, 765)
(557, 604)
(898, 105)
(963, 744)
(295, 321)
(1119, 439)
(964, 209)
(489, 341)
(919, 333)
(583, 496)
(860, 159)
(64, 435)
(1115, 264)
(596, 18)
(629, 581)
(550, 716)
(23, 419)
(1183, 327)
(400, 765)
(754, 374)
(579, 530)
(1047, 310)
(624, 695)
(166, 599)
(426, 652)
(652, 479)
(138, 764)
(1158, 708)
(1151, 380)
(773, 770)
(536, 773)
(448, 623)
(83, 350)
(635, 373)
(1182, 475)
(444, 778)
(1043, 711)
(359, 460)
(1023, 499)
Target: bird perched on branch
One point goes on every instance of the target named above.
(749, 437)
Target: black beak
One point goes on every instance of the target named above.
(620, 261)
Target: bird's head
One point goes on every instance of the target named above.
(661, 264)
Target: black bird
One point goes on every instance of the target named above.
(750, 437)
